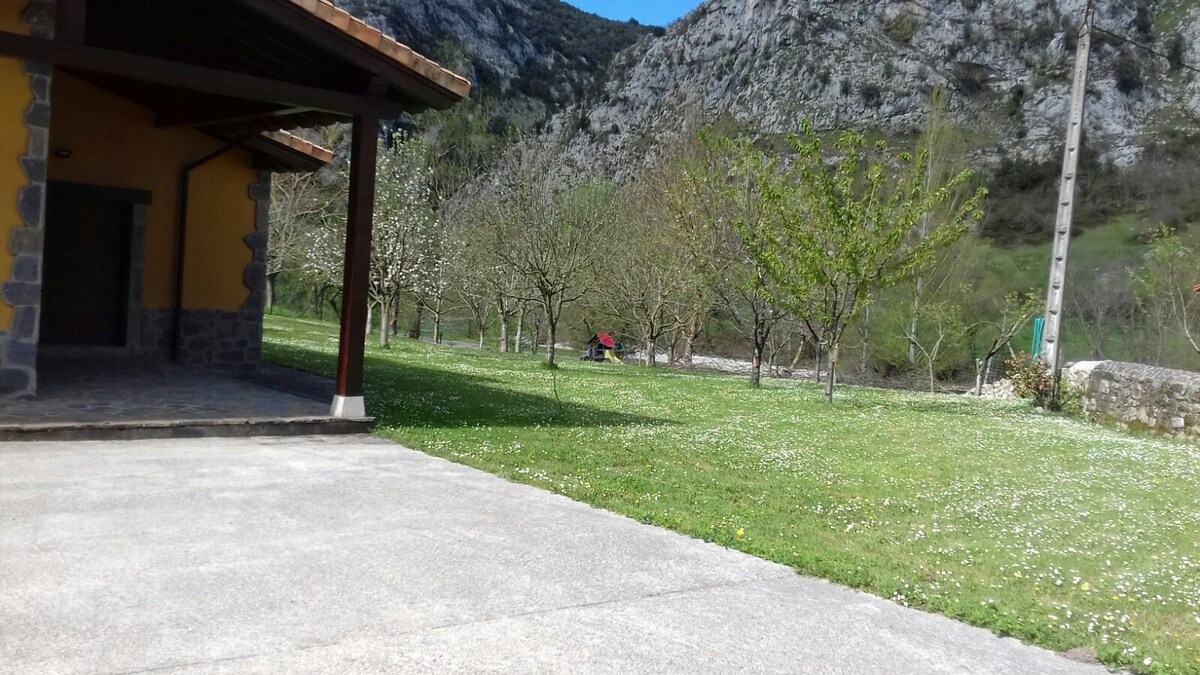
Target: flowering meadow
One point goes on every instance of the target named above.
(1047, 529)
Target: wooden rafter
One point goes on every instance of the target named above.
(195, 78)
(222, 112)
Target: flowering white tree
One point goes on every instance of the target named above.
(323, 255)
(405, 228)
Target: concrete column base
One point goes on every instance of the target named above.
(348, 407)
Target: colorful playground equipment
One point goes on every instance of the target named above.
(602, 347)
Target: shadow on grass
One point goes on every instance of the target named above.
(403, 394)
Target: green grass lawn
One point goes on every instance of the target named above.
(1048, 529)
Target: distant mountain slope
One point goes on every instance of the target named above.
(543, 50)
(870, 65)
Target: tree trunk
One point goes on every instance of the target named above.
(551, 349)
(437, 328)
(796, 358)
(271, 292)
(481, 336)
(520, 328)
(503, 332)
(370, 317)
(760, 339)
(831, 376)
(384, 330)
(414, 328)
(979, 377)
(689, 340)
(756, 368)
(651, 353)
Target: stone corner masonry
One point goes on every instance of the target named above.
(23, 289)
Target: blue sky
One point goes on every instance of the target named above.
(654, 12)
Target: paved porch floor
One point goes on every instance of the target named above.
(353, 555)
(91, 389)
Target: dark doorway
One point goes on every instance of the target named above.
(85, 283)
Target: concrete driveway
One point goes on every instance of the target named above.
(353, 555)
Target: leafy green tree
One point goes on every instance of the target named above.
(1164, 284)
(835, 231)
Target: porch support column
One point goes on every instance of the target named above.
(348, 396)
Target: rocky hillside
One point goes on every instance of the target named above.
(539, 51)
(870, 65)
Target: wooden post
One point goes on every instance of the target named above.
(348, 399)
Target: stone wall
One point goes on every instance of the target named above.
(1140, 397)
(226, 341)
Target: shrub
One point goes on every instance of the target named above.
(901, 27)
(1127, 73)
(1175, 48)
(1031, 379)
(872, 95)
(1070, 399)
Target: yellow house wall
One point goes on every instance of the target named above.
(15, 96)
(114, 143)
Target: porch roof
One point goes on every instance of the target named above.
(238, 68)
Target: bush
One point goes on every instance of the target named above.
(1127, 73)
(872, 95)
(1031, 380)
(901, 27)
(1070, 399)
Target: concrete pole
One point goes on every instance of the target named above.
(1066, 200)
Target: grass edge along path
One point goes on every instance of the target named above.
(1050, 530)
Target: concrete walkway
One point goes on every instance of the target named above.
(352, 555)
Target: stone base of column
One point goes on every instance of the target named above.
(348, 407)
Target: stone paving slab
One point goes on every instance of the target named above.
(105, 390)
(353, 555)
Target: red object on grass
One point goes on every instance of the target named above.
(606, 340)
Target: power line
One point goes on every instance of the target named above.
(1146, 48)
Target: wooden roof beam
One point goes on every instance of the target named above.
(196, 78)
(223, 112)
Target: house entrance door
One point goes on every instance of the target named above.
(85, 281)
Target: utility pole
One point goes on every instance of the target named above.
(1066, 199)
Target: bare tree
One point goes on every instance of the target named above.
(1016, 312)
(645, 280)
(552, 230)
(1101, 298)
(687, 188)
(941, 144)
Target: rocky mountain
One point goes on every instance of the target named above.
(1006, 63)
(539, 52)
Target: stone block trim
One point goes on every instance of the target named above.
(1142, 397)
(23, 291)
(221, 340)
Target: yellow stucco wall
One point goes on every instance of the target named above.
(114, 143)
(10, 16)
(15, 96)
